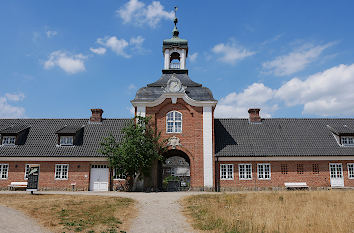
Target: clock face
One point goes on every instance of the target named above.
(175, 86)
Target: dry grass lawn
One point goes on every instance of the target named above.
(285, 211)
(75, 213)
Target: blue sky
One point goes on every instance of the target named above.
(58, 59)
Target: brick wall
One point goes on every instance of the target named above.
(79, 173)
(322, 179)
(191, 137)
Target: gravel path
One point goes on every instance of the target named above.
(13, 221)
(157, 212)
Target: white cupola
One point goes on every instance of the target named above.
(175, 50)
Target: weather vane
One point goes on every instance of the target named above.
(176, 20)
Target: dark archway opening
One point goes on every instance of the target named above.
(175, 60)
(174, 171)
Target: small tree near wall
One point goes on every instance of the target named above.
(134, 155)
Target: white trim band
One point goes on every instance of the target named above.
(208, 146)
(183, 96)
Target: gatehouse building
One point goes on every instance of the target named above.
(208, 153)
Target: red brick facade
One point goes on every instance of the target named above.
(313, 180)
(191, 138)
(78, 174)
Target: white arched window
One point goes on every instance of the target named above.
(174, 122)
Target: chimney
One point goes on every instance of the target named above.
(254, 115)
(96, 115)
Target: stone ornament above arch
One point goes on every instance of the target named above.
(174, 142)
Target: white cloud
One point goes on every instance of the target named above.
(193, 57)
(131, 110)
(14, 96)
(51, 34)
(99, 51)
(295, 61)
(137, 13)
(71, 64)
(328, 93)
(231, 52)
(116, 45)
(9, 111)
(237, 104)
(137, 41)
(120, 46)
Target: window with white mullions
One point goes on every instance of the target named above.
(336, 170)
(263, 171)
(350, 170)
(245, 171)
(347, 141)
(61, 171)
(226, 171)
(4, 170)
(117, 175)
(174, 122)
(8, 140)
(66, 140)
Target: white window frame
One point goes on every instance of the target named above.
(66, 141)
(350, 166)
(2, 171)
(119, 177)
(245, 172)
(264, 173)
(27, 170)
(347, 139)
(227, 171)
(174, 121)
(61, 175)
(6, 140)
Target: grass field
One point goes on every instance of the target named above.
(283, 211)
(75, 213)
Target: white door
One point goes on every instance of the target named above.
(99, 178)
(336, 173)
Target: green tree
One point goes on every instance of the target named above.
(134, 155)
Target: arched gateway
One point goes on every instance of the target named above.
(183, 111)
(174, 172)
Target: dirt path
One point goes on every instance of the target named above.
(157, 212)
(13, 221)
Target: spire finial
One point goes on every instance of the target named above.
(175, 30)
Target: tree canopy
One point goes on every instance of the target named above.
(134, 155)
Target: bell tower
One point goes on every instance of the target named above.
(175, 50)
(183, 112)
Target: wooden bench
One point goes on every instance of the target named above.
(15, 185)
(296, 185)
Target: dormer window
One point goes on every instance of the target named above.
(14, 135)
(174, 122)
(347, 141)
(8, 140)
(66, 140)
(70, 135)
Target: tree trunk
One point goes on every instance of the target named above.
(135, 180)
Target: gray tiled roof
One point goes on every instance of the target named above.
(42, 138)
(341, 129)
(13, 129)
(279, 137)
(154, 90)
(69, 129)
